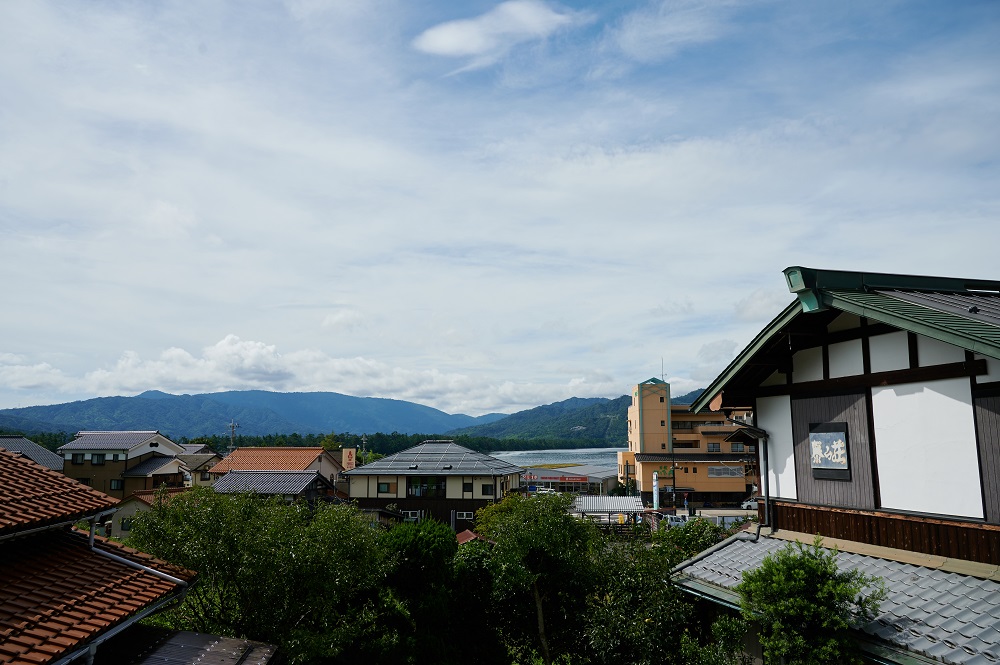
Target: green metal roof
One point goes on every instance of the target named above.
(936, 307)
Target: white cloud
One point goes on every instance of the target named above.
(667, 26)
(486, 38)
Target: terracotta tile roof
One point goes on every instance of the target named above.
(33, 496)
(56, 594)
(146, 496)
(268, 459)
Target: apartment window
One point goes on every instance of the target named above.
(661, 398)
(463, 515)
(467, 487)
(715, 447)
(383, 488)
(97, 459)
(77, 458)
(683, 424)
(663, 446)
(126, 524)
(487, 489)
(685, 469)
(737, 448)
(84, 481)
(663, 423)
(114, 457)
(117, 484)
(751, 449)
(694, 469)
(686, 444)
(205, 475)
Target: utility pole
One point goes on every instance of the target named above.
(232, 436)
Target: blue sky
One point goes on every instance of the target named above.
(477, 206)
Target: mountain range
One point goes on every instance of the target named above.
(261, 412)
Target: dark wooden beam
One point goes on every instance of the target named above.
(877, 379)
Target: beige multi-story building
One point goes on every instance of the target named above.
(699, 458)
(121, 462)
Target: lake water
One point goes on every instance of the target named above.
(607, 457)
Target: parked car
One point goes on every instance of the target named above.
(749, 504)
(545, 490)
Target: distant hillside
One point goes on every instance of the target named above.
(587, 421)
(688, 398)
(258, 412)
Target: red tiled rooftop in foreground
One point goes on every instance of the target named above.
(32, 496)
(56, 594)
(268, 459)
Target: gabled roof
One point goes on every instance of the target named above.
(152, 465)
(268, 459)
(269, 482)
(195, 449)
(56, 594)
(195, 462)
(946, 617)
(437, 458)
(31, 450)
(33, 496)
(961, 312)
(110, 440)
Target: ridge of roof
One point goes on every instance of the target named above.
(269, 458)
(433, 457)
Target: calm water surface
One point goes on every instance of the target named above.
(595, 456)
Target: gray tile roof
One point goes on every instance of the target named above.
(31, 450)
(195, 462)
(607, 504)
(124, 440)
(195, 448)
(945, 616)
(268, 482)
(147, 466)
(438, 458)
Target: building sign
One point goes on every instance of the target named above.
(349, 460)
(828, 451)
(572, 479)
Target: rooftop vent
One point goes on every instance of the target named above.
(413, 466)
(446, 467)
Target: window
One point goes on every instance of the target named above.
(97, 459)
(114, 457)
(685, 469)
(737, 447)
(383, 488)
(463, 515)
(487, 489)
(77, 458)
(661, 398)
(117, 484)
(683, 424)
(205, 475)
(725, 472)
(715, 447)
(467, 487)
(84, 481)
(663, 446)
(686, 444)
(126, 524)
(663, 423)
(426, 486)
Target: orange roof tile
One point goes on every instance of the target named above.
(32, 496)
(147, 496)
(268, 459)
(56, 594)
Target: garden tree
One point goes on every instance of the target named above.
(311, 580)
(634, 616)
(724, 648)
(422, 576)
(683, 542)
(806, 606)
(544, 569)
(475, 628)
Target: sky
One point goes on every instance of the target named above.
(477, 206)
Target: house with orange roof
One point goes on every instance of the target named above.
(280, 459)
(63, 591)
(137, 502)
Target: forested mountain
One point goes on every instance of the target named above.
(582, 422)
(258, 412)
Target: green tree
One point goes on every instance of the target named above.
(544, 569)
(634, 616)
(311, 580)
(806, 605)
(724, 648)
(683, 542)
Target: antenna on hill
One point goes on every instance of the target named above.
(232, 436)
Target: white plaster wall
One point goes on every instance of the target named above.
(925, 442)
(359, 487)
(846, 359)
(933, 352)
(774, 415)
(807, 365)
(992, 369)
(889, 352)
